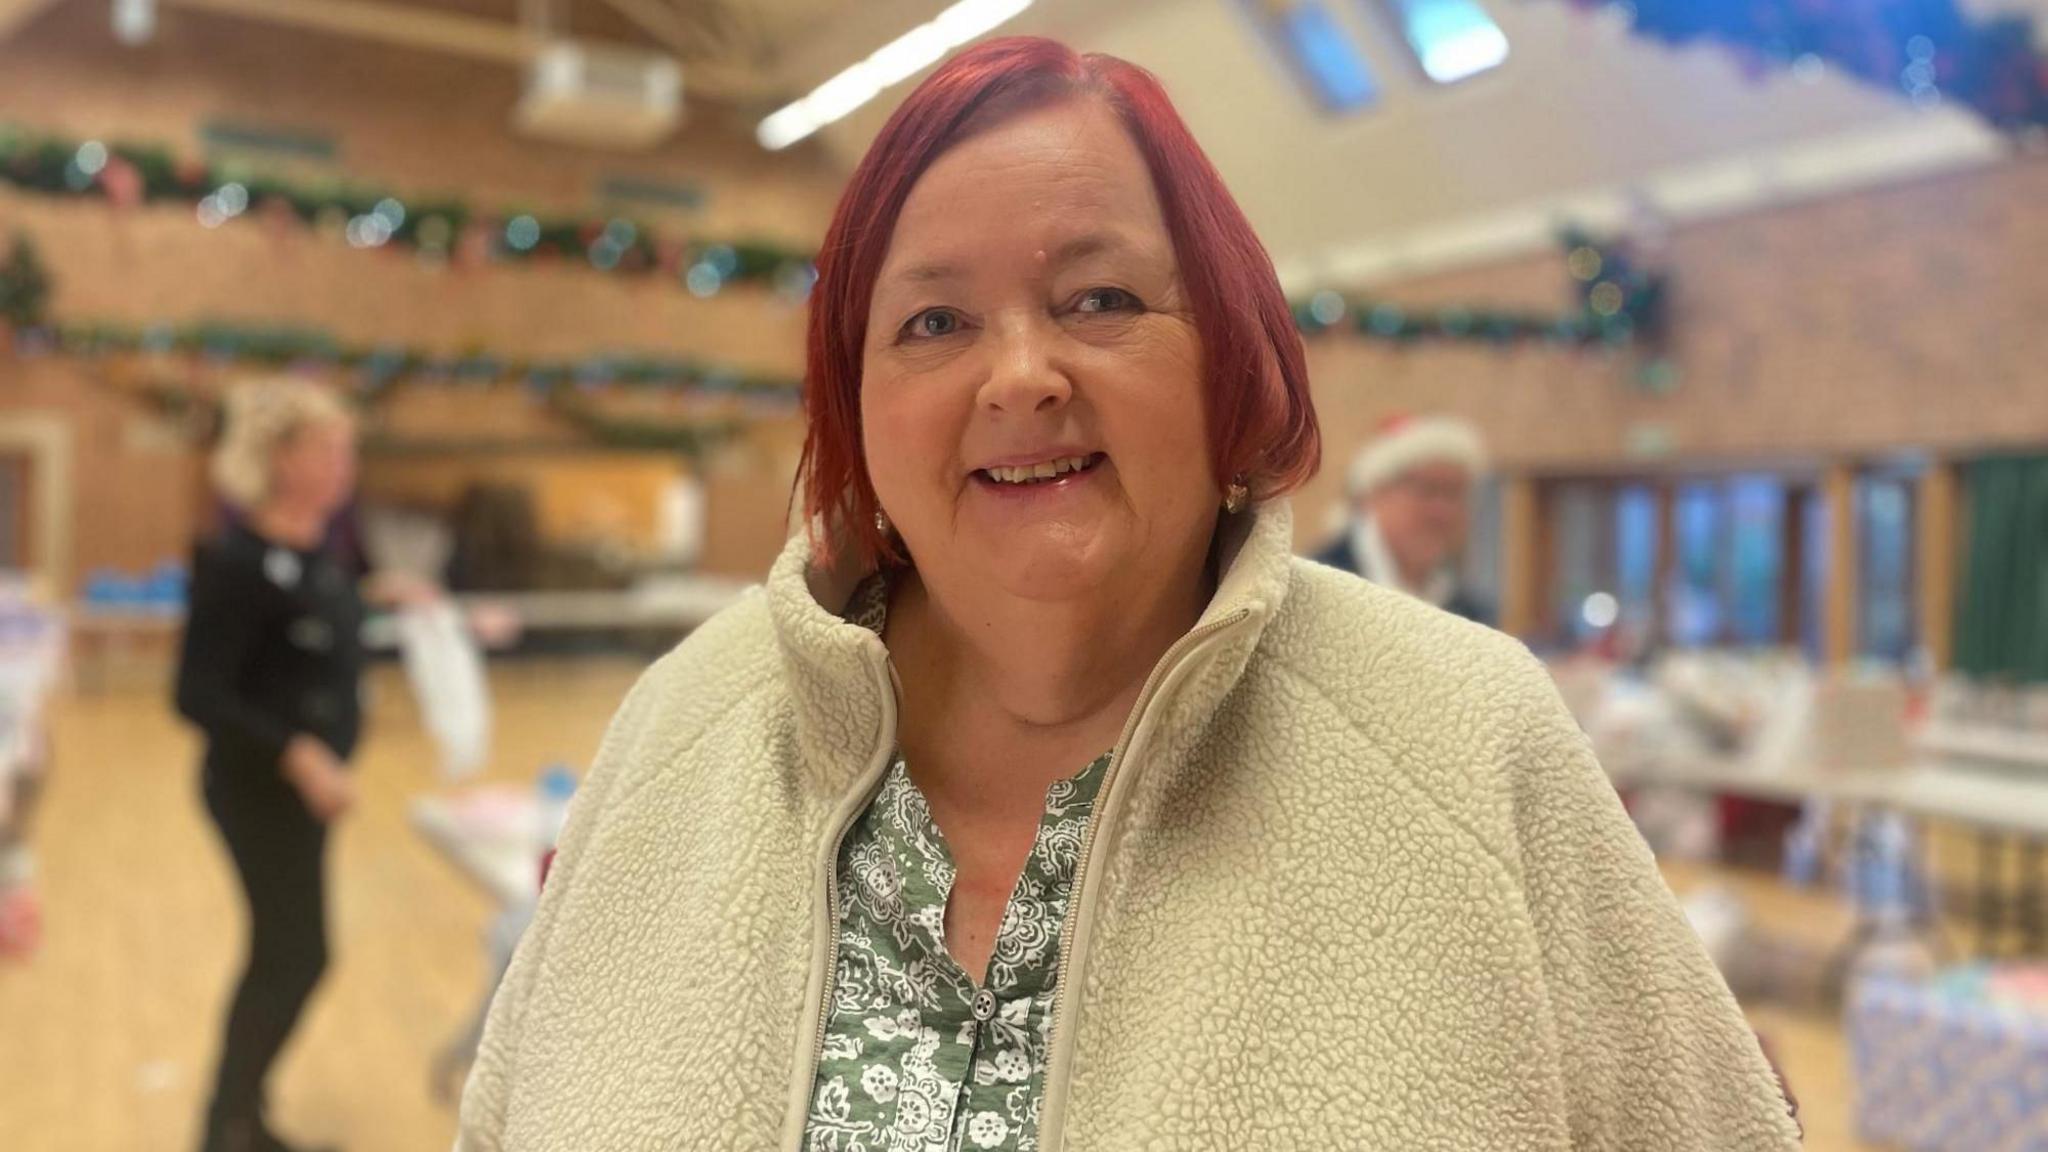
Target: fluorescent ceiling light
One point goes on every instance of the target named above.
(908, 54)
(891, 64)
(1467, 54)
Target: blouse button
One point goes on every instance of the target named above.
(984, 1005)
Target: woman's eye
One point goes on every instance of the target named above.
(932, 322)
(1106, 300)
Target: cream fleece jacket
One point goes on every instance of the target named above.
(1354, 881)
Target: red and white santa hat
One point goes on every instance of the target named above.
(1407, 441)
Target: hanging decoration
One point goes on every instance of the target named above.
(570, 389)
(1930, 51)
(24, 284)
(1621, 301)
(199, 414)
(437, 229)
(379, 369)
(690, 438)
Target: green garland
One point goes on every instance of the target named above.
(24, 284)
(1618, 303)
(378, 369)
(202, 415)
(565, 387)
(691, 439)
(450, 227)
(438, 227)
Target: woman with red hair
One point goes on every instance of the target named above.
(1044, 800)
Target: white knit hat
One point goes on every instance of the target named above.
(1406, 442)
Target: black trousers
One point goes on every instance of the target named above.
(280, 855)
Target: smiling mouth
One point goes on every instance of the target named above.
(1043, 472)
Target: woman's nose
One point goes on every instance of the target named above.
(1024, 375)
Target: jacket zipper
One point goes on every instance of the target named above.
(799, 1112)
(1052, 1122)
(808, 1069)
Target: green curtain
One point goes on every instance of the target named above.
(2002, 615)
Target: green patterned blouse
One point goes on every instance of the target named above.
(918, 1057)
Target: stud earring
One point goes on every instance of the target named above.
(1234, 497)
(881, 522)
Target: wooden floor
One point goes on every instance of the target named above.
(1806, 1041)
(107, 1037)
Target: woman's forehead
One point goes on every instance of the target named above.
(1065, 183)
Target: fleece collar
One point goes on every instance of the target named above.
(839, 675)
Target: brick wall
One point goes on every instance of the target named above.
(417, 123)
(1911, 317)
(1903, 319)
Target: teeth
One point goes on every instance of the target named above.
(1045, 470)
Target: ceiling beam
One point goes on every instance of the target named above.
(724, 30)
(472, 37)
(401, 25)
(706, 54)
(542, 16)
(659, 21)
(16, 13)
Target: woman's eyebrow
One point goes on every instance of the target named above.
(927, 273)
(1091, 244)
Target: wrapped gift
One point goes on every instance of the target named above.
(1955, 1063)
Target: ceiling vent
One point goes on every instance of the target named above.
(601, 98)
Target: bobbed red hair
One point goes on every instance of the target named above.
(1261, 420)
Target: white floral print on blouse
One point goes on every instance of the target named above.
(909, 1065)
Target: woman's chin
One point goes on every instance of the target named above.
(1061, 587)
(1046, 565)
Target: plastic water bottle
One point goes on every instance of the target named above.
(1804, 842)
(1888, 892)
(557, 788)
(1884, 871)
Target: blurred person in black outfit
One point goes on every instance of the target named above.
(1411, 507)
(270, 673)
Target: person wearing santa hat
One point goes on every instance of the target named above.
(1411, 505)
